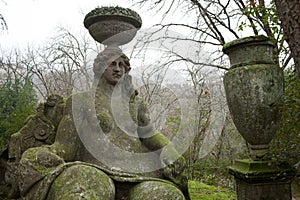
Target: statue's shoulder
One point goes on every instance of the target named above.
(80, 100)
(81, 96)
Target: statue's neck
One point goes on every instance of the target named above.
(104, 88)
(124, 91)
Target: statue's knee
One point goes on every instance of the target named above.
(151, 190)
(82, 181)
(40, 158)
(34, 164)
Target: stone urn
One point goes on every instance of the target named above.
(254, 87)
(112, 26)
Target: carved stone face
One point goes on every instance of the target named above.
(114, 72)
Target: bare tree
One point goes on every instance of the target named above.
(12, 67)
(215, 22)
(152, 81)
(163, 90)
(63, 65)
(3, 22)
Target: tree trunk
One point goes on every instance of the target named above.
(290, 21)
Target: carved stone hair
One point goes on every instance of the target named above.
(106, 57)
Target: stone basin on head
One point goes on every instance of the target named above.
(113, 25)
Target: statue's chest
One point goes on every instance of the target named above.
(119, 124)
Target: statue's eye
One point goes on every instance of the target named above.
(114, 63)
(121, 64)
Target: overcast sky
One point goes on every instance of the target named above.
(32, 21)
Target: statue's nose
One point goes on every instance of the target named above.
(117, 67)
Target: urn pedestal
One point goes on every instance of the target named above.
(262, 180)
(254, 88)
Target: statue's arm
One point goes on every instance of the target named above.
(65, 144)
(151, 138)
(171, 160)
(154, 140)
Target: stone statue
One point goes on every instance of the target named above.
(98, 152)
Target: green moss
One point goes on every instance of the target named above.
(257, 38)
(268, 171)
(155, 190)
(201, 191)
(63, 151)
(106, 121)
(82, 182)
(41, 159)
(251, 166)
(155, 142)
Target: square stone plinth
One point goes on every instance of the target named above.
(262, 180)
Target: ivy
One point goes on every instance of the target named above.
(17, 101)
(285, 146)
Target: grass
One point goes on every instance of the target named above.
(201, 191)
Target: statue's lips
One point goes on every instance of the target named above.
(117, 75)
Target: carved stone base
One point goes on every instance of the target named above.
(262, 180)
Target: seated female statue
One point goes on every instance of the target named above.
(105, 146)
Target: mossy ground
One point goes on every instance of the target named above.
(201, 191)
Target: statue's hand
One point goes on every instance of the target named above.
(173, 163)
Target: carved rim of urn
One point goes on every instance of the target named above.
(112, 25)
(250, 50)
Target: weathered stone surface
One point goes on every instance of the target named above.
(249, 50)
(35, 164)
(113, 25)
(253, 94)
(154, 190)
(66, 168)
(118, 33)
(254, 88)
(82, 182)
(262, 180)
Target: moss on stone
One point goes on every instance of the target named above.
(156, 142)
(253, 94)
(251, 166)
(261, 171)
(106, 121)
(150, 190)
(250, 50)
(42, 159)
(110, 11)
(82, 182)
(234, 43)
